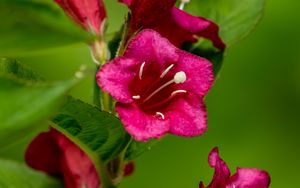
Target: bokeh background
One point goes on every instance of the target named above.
(254, 106)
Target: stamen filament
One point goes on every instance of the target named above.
(160, 114)
(141, 70)
(165, 100)
(179, 78)
(159, 89)
(178, 91)
(166, 71)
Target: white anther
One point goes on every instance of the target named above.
(136, 97)
(141, 70)
(178, 91)
(160, 114)
(180, 77)
(166, 71)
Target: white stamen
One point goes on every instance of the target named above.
(166, 71)
(141, 70)
(136, 97)
(160, 114)
(158, 90)
(180, 77)
(178, 91)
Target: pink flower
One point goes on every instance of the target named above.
(90, 14)
(53, 153)
(159, 88)
(243, 178)
(56, 155)
(176, 25)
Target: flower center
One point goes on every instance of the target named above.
(154, 89)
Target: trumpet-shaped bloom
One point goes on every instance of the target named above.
(56, 155)
(53, 153)
(176, 25)
(90, 14)
(243, 178)
(159, 88)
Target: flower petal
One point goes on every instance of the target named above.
(150, 46)
(55, 154)
(249, 178)
(145, 13)
(43, 154)
(198, 26)
(115, 77)
(187, 116)
(222, 173)
(77, 168)
(199, 73)
(141, 126)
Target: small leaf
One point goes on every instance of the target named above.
(15, 175)
(34, 25)
(236, 18)
(24, 102)
(100, 132)
(136, 149)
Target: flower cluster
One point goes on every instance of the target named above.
(158, 87)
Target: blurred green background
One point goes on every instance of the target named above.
(254, 107)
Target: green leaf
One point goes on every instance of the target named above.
(34, 25)
(100, 133)
(236, 18)
(25, 103)
(15, 175)
(136, 149)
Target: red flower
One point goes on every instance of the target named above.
(176, 25)
(159, 88)
(53, 153)
(90, 14)
(243, 178)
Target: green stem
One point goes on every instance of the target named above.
(106, 181)
(97, 92)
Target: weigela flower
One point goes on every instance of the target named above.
(56, 155)
(176, 25)
(159, 88)
(243, 178)
(53, 153)
(90, 14)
